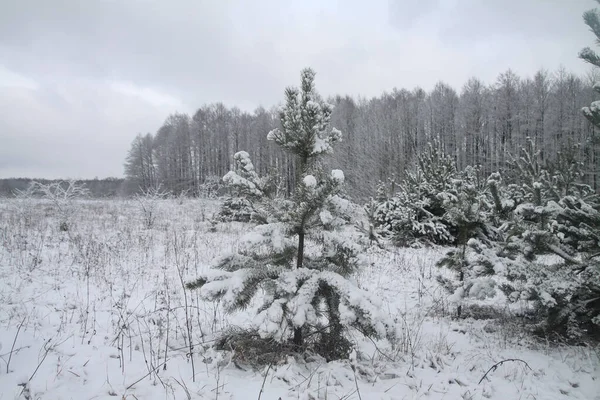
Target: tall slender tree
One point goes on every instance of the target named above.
(140, 164)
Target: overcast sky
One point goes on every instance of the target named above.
(80, 78)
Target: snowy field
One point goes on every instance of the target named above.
(99, 311)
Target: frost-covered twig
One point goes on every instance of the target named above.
(47, 349)
(353, 366)
(184, 387)
(15, 350)
(148, 374)
(188, 318)
(495, 366)
(262, 387)
(13, 345)
(377, 347)
(26, 391)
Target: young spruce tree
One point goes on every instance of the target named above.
(415, 212)
(301, 259)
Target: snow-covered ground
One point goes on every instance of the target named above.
(99, 312)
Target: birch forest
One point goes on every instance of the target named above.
(484, 124)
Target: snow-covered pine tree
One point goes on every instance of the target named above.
(415, 212)
(577, 226)
(468, 209)
(300, 261)
(532, 191)
(544, 210)
(251, 195)
(578, 221)
(592, 20)
(503, 205)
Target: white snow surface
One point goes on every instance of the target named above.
(99, 312)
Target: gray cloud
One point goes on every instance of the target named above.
(80, 129)
(79, 79)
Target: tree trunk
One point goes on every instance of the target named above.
(459, 308)
(300, 258)
(461, 276)
(335, 325)
(298, 338)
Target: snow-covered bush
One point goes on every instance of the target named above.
(300, 260)
(148, 201)
(62, 195)
(252, 195)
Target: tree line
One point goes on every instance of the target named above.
(95, 188)
(483, 124)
